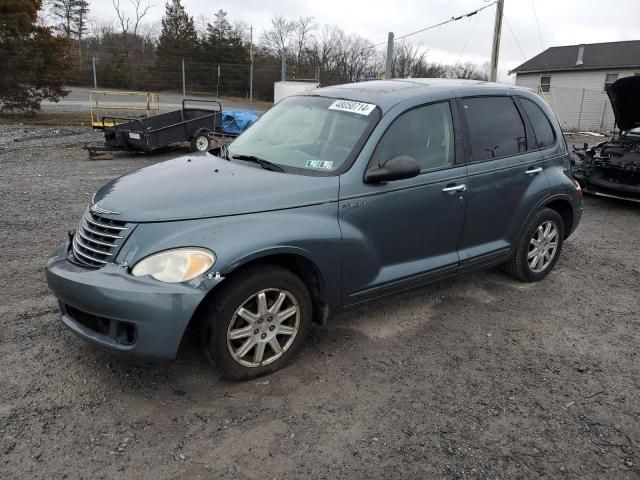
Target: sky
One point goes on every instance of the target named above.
(562, 22)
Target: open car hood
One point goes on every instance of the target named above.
(624, 95)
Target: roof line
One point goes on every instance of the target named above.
(576, 69)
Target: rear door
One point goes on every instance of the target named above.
(505, 177)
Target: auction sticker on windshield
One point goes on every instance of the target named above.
(319, 164)
(354, 107)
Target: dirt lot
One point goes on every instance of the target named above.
(477, 377)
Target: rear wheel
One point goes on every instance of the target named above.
(538, 248)
(200, 143)
(257, 322)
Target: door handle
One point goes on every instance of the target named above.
(533, 171)
(455, 188)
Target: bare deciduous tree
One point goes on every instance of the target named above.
(277, 39)
(126, 21)
(302, 32)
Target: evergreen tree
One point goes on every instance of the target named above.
(71, 18)
(221, 29)
(64, 11)
(178, 40)
(178, 28)
(80, 24)
(224, 42)
(34, 62)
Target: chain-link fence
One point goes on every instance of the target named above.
(244, 85)
(175, 77)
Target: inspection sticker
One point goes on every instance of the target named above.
(319, 164)
(354, 107)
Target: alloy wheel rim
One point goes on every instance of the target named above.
(202, 143)
(263, 327)
(543, 246)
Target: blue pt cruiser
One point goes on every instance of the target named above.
(331, 199)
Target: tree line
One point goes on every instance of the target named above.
(131, 53)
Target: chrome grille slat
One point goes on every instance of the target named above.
(97, 224)
(109, 245)
(95, 250)
(107, 235)
(77, 253)
(97, 240)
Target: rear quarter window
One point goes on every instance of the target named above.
(495, 127)
(540, 122)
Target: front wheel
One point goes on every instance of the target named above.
(538, 248)
(257, 322)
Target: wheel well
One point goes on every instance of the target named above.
(566, 212)
(303, 268)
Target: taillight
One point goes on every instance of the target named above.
(578, 187)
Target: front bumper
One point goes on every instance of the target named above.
(595, 182)
(111, 308)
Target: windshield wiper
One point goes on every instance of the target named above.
(266, 164)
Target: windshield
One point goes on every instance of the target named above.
(315, 134)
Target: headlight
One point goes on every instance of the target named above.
(177, 265)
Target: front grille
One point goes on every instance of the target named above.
(97, 239)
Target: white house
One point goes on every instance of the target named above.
(573, 80)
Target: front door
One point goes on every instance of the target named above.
(403, 233)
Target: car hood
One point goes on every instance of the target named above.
(202, 185)
(625, 100)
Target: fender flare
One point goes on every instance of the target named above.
(541, 204)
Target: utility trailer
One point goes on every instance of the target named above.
(194, 124)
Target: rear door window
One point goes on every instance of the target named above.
(495, 127)
(540, 123)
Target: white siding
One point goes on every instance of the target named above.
(578, 98)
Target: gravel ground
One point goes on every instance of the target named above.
(476, 377)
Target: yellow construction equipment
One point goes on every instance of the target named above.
(103, 103)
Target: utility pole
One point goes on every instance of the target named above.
(95, 77)
(283, 65)
(218, 84)
(184, 80)
(251, 68)
(495, 49)
(388, 73)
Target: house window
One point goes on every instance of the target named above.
(545, 84)
(611, 77)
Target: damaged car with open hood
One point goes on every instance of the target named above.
(612, 168)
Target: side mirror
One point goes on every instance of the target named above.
(396, 168)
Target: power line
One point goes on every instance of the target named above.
(452, 19)
(475, 23)
(544, 53)
(423, 14)
(515, 38)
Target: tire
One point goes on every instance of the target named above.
(198, 142)
(523, 268)
(243, 291)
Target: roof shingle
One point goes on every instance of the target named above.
(596, 56)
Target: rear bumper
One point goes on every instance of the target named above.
(137, 316)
